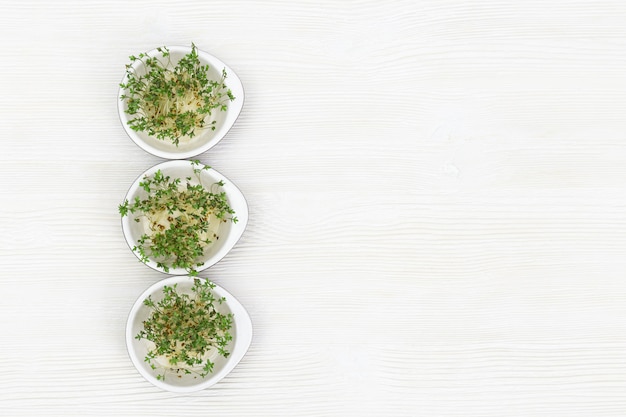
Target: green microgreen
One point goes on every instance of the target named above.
(173, 100)
(185, 328)
(182, 218)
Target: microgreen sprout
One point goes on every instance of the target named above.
(185, 329)
(181, 218)
(173, 100)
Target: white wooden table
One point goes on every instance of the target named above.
(437, 207)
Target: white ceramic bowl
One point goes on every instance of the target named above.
(238, 346)
(229, 232)
(205, 139)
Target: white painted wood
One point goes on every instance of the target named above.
(437, 207)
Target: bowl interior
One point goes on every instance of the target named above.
(137, 349)
(204, 138)
(229, 233)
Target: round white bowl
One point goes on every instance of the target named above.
(204, 139)
(238, 346)
(229, 232)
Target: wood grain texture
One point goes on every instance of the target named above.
(437, 207)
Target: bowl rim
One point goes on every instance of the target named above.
(241, 341)
(242, 221)
(213, 61)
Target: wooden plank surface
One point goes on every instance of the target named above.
(437, 207)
